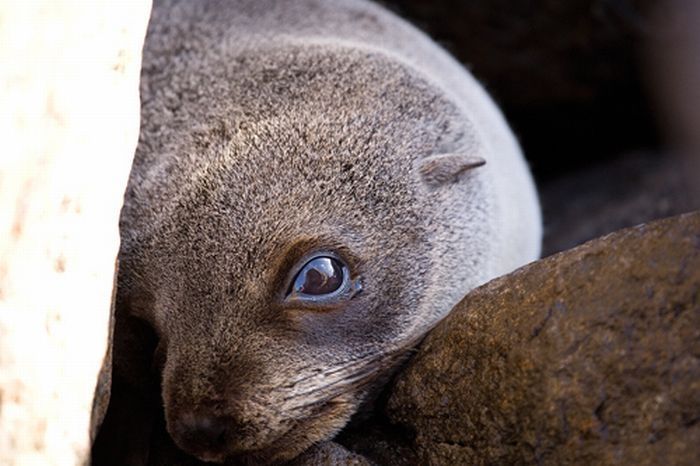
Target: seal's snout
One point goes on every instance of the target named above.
(203, 435)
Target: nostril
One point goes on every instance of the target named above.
(201, 432)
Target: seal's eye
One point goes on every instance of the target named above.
(320, 276)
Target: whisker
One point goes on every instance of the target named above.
(351, 378)
(342, 366)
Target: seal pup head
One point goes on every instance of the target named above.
(289, 241)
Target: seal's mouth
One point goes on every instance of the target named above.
(324, 424)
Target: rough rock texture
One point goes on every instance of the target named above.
(591, 356)
(69, 123)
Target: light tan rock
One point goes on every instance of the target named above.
(69, 123)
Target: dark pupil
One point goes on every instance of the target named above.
(322, 275)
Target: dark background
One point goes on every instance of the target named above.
(567, 74)
(573, 79)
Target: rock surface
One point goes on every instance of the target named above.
(69, 125)
(591, 356)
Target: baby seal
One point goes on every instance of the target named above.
(316, 185)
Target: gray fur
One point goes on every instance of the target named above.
(274, 128)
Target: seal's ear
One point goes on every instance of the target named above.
(440, 169)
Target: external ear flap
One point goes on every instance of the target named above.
(437, 170)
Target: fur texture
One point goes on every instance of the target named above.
(271, 129)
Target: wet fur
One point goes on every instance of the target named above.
(271, 129)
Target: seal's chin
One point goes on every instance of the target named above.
(322, 424)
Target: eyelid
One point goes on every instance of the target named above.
(349, 291)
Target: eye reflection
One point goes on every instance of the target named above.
(320, 276)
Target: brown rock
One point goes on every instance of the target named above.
(591, 356)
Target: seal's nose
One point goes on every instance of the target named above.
(202, 433)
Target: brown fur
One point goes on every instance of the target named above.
(272, 129)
